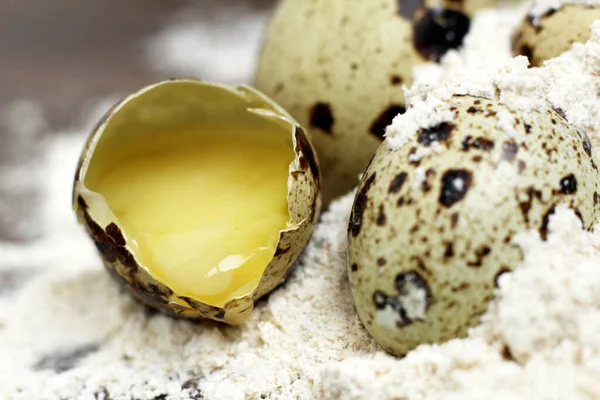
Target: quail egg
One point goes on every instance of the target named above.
(432, 222)
(554, 32)
(198, 196)
(339, 68)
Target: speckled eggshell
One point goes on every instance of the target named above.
(554, 33)
(428, 239)
(304, 201)
(339, 66)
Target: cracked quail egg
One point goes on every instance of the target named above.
(546, 36)
(198, 196)
(432, 222)
(339, 68)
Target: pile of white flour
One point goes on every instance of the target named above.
(68, 332)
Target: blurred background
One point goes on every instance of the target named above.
(61, 59)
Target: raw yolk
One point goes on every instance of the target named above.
(203, 218)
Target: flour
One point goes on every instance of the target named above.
(536, 336)
(21, 123)
(70, 333)
(223, 46)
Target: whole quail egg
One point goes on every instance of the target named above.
(433, 220)
(546, 36)
(198, 196)
(339, 67)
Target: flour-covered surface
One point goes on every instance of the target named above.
(68, 332)
(212, 41)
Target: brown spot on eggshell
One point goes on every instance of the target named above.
(220, 314)
(462, 286)
(381, 217)
(526, 205)
(439, 30)
(439, 133)
(454, 220)
(560, 112)
(106, 250)
(385, 118)
(509, 150)
(396, 80)
(455, 185)
(407, 281)
(426, 186)
(568, 184)
(545, 221)
(282, 250)
(279, 86)
(358, 208)
(479, 143)
(466, 143)
(115, 233)
(379, 299)
(82, 202)
(449, 252)
(127, 259)
(527, 51)
(503, 270)
(587, 144)
(480, 254)
(303, 162)
(397, 182)
(321, 117)
(304, 146)
(102, 241)
(354, 267)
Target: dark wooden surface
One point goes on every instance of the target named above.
(62, 53)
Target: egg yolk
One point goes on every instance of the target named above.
(203, 218)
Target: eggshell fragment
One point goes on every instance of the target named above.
(173, 104)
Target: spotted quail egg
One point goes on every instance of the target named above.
(339, 68)
(432, 222)
(543, 37)
(198, 196)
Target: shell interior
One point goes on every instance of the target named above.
(195, 180)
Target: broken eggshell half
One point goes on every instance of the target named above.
(151, 115)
